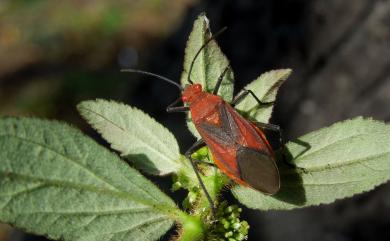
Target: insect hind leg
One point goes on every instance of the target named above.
(274, 128)
(200, 143)
(205, 163)
(282, 140)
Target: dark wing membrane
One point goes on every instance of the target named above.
(216, 133)
(240, 151)
(258, 170)
(225, 132)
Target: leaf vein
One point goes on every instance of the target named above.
(90, 213)
(65, 157)
(77, 186)
(347, 163)
(125, 131)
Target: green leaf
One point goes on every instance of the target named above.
(265, 87)
(336, 162)
(209, 65)
(137, 136)
(55, 181)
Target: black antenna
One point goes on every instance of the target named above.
(154, 75)
(201, 48)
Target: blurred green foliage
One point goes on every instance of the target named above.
(56, 53)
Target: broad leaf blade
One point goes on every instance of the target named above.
(54, 181)
(137, 136)
(347, 158)
(265, 87)
(209, 65)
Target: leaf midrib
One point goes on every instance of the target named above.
(335, 165)
(45, 147)
(77, 163)
(77, 186)
(150, 221)
(90, 213)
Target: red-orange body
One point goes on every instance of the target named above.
(225, 132)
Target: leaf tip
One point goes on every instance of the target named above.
(285, 73)
(83, 104)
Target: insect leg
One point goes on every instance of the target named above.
(282, 140)
(188, 154)
(272, 127)
(244, 93)
(205, 163)
(219, 81)
(171, 108)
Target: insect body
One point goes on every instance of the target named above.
(239, 148)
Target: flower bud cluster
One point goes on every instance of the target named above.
(230, 227)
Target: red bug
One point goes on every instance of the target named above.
(238, 146)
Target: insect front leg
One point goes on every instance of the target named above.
(200, 143)
(172, 108)
(219, 81)
(243, 94)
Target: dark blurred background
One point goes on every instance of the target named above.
(54, 54)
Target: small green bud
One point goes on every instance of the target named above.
(236, 226)
(176, 186)
(224, 221)
(204, 151)
(239, 236)
(229, 209)
(192, 228)
(196, 156)
(226, 225)
(192, 197)
(228, 234)
(233, 216)
(245, 224)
